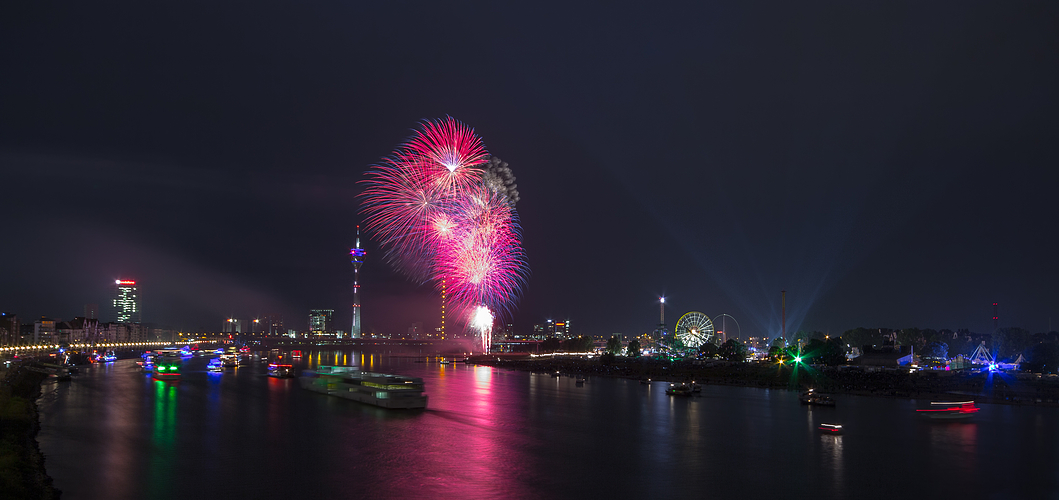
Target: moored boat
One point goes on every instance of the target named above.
(679, 390)
(813, 398)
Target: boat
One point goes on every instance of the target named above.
(279, 370)
(813, 398)
(215, 365)
(645, 381)
(556, 374)
(296, 354)
(55, 372)
(166, 369)
(696, 387)
(830, 428)
(108, 357)
(944, 410)
(679, 390)
(229, 359)
(580, 381)
(379, 389)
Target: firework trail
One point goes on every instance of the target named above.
(482, 323)
(443, 210)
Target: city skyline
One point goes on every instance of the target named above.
(886, 170)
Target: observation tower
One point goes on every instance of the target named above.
(356, 256)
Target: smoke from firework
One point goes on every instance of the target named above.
(497, 176)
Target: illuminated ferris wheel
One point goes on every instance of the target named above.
(694, 329)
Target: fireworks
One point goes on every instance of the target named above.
(482, 322)
(443, 211)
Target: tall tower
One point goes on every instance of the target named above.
(996, 318)
(126, 301)
(444, 300)
(356, 256)
(783, 325)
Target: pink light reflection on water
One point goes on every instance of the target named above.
(462, 444)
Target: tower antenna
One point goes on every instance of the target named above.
(783, 306)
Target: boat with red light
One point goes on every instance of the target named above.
(830, 428)
(949, 410)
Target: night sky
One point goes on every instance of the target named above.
(888, 164)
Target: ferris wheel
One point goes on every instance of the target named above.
(694, 329)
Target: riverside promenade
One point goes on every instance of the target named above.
(995, 387)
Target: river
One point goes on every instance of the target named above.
(114, 433)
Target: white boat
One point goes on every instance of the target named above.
(379, 389)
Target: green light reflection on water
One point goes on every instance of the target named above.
(163, 434)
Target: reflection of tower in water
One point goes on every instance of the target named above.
(356, 257)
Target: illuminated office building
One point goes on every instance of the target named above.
(126, 302)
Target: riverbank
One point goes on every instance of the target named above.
(22, 474)
(996, 388)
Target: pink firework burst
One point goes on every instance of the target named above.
(402, 203)
(483, 262)
(436, 220)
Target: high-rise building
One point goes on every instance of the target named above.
(356, 257)
(9, 329)
(91, 311)
(44, 331)
(233, 325)
(553, 329)
(272, 325)
(126, 301)
(320, 322)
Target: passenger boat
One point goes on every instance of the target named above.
(279, 370)
(679, 390)
(229, 359)
(166, 369)
(108, 356)
(296, 354)
(941, 410)
(580, 381)
(813, 398)
(830, 428)
(215, 365)
(379, 389)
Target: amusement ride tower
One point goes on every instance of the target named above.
(356, 256)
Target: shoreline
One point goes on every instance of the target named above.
(983, 388)
(22, 465)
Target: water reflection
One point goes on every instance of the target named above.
(163, 435)
(492, 433)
